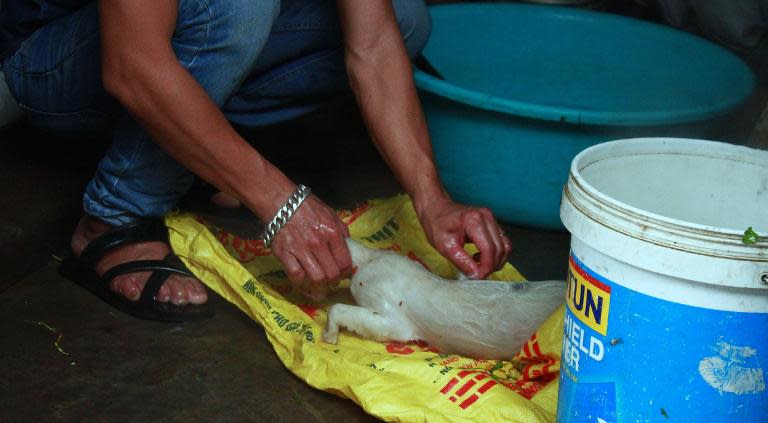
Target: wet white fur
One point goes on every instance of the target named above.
(398, 300)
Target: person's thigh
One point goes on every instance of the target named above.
(56, 75)
(220, 41)
(217, 42)
(302, 63)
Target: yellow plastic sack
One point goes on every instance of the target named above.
(394, 381)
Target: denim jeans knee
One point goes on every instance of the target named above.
(218, 41)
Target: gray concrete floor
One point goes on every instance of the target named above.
(112, 367)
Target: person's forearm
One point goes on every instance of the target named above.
(396, 124)
(381, 78)
(180, 116)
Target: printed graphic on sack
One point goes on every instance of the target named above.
(440, 387)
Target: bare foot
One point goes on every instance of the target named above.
(224, 200)
(177, 289)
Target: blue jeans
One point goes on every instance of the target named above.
(261, 61)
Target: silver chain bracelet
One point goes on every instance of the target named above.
(284, 214)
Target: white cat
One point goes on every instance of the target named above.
(399, 300)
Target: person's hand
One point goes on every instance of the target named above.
(450, 225)
(312, 248)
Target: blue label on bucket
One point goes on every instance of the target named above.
(597, 403)
(631, 357)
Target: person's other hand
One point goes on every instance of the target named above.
(450, 225)
(313, 249)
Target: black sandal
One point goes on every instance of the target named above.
(81, 270)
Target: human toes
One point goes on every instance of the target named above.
(182, 291)
(224, 200)
(164, 294)
(178, 291)
(196, 291)
(129, 286)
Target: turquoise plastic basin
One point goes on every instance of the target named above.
(527, 87)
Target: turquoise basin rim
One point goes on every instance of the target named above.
(490, 102)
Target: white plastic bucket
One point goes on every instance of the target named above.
(667, 308)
